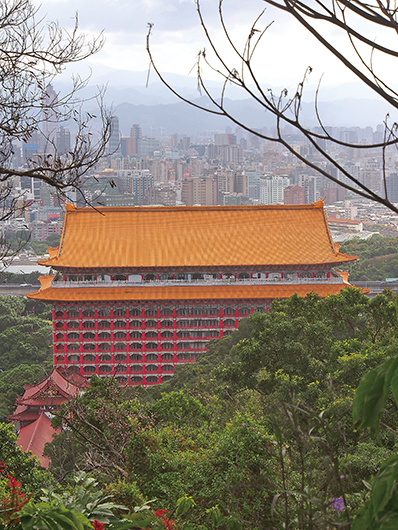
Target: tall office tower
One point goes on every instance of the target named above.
(142, 183)
(49, 126)
(114, 140)
(174, 140)
(272, 188)
(392, 187)
(136, 132)
(63, 140)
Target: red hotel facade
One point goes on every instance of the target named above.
(137, 291)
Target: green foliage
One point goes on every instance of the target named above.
(259, 428)
(44, 516)
(378, 258)
(12, 382)
(83, 496)
(19, 463)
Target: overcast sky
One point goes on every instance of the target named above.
(285, 52)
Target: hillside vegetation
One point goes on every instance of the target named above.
(378, 258)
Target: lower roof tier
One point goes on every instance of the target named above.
(180, 293)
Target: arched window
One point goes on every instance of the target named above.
(119, 312)
(244, 310)
(135, 312)
(167, 368)
(89, 369)
(73, 358)
(229, 311)
(166, 334)
(104, 369)
(135, 323)
(135, 357)
(151, 346)
(167, 357)
(166, 323)
(104, 357)
(135, 334)
(136, 379)
(88, 335)
(229, 322)
(121, 346)
(60, 314)
(104, 313)
(104, 324)
(88, 313)
(59, 325)
(89, 347)
(104, 335)
(183, 345)
(151, 368)
(120, 368)
(120, 357)
(151, 357)
(167, 345)
(104, 346)
(119, 324)
(72, 313)
(73, 335)
(59, 347)
(60, 336)
(136, 368)
(151, 312)
(151, 324)
(88, 357)
(72, 324)
(120, 335)
(151, 379)
(151, 335)
(88, 324)
(135, 346)
(166, 312)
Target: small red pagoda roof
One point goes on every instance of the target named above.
(34, 437)
(197, 292)
(52, 391)
(197, 236)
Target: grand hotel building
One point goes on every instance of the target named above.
(137, 291)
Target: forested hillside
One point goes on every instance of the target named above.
(378, 258)
(260, 425)
(25, 347)
(257, 434)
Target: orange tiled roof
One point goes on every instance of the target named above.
(211, 292)
(195, 236)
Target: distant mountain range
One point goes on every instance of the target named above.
(155, 106)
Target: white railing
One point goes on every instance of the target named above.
(214, 281)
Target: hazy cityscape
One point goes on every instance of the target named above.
(149, 165)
